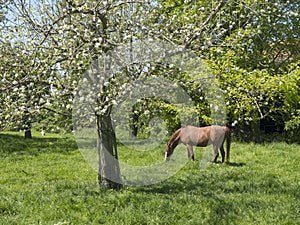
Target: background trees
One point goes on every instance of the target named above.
(251, 46)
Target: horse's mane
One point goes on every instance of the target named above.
(174, 139)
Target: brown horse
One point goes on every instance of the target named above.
(200, 136)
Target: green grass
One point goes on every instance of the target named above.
(47, 181)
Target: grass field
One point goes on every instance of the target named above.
(46, 181)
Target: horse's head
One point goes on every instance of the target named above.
(172, 143)
(169, 152)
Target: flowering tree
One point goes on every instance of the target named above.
(49, 45)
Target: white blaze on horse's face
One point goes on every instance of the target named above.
(167, 158)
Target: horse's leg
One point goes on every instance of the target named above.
(190, 152)
(222, 153)
(216, 153)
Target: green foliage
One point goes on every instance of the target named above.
(251, 44)
(252, 95)
(147, 109)
(46, 180)
(51, 122)
(292, 100)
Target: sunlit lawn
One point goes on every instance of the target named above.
(47, 181)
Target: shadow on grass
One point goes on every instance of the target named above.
(233, 179)
(234, 164)
(16, 144)
(198, 180)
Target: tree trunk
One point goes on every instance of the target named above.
(28, 134)
(109, 174)
(135, 120)
(27, 124)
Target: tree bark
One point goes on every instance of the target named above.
(28, 134)
(135, 120)
(109, 174)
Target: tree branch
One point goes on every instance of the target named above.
(203, 27)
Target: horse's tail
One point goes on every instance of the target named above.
(228, 142)
(174, 139)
